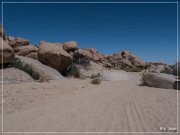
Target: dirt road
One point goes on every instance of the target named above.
(117, 106)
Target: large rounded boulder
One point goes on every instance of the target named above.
(158, 80)
(54, 56)
(36, 69)
(6, 52)
(13, 75)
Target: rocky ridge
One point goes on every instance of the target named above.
(60, 56)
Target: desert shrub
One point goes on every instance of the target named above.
(93, 76)
(96, 81)
(73, 70)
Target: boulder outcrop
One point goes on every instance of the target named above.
(13, 75)
(36, 69)
(86, 54)
(29, 51)
(15, 43)
(126, 61)
(6, 52)
(54, 56)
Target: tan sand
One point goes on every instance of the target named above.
(74, 105)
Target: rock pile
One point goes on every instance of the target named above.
(86, 54)
(52, 60)
(124, 60)
(15, 43)
(29, 51)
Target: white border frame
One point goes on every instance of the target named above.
(2, 121)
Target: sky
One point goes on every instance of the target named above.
(149, 31)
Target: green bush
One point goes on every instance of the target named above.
(73, 70)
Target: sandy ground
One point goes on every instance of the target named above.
(74, 105)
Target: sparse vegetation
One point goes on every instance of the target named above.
(93, 76)
(73, 70)
(96, 81)
(26, 67)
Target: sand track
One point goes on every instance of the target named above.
(117, 106)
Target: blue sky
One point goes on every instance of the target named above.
(147, 30)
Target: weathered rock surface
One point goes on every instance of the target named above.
(36, 69)
(27, 50)
(33, 55)
(117, 56)
(13, 75)
(54, 56)
(158, 80)
(88, 54)
(159, 68)
(92, 68)
(95, 55)
(6, 52)
(125, 60)
(70, 46)
(108, 65)
(17, 42)
(122, 60)
(81, 54)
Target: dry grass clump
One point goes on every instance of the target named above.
(96, 81)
